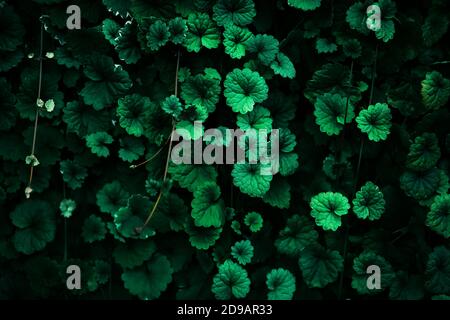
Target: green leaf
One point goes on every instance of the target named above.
(192, 176)
(435, 26)
(98, 143)
(158, 125)
(437, 272)
(111, 197)
(171, 214)
(66, 58)
(435, 90)
(352, 48)
(356, 17)
(118, 7)
(131, 149)
(330, 79)
(330, 112)
(177, 29)
(107, 82)
(126, 43)
(320, 266)
(67, 207)
(288, 160)
(265, 46)
(73, 173)
(242, 251)
(35, 224)
(110, 29)
(244, 88)
(236, 40)
(424, 153)
(387, 30)
(438, 218)
(375, 121)
(361, 263)
(12, 147)
(283, 66)
(258, 119)
(132, 112)
(304, 4)
(132, 217)
(172, 106)
(201, 91)
(133, 253)
(325, 46)
(327, 209)
(202, 238)
(12, 29)
(149, 280)
(84, 120)
(281, 284)
(296, 235)
(42, 274)
(420, 185)
(202, 32)
(94, 229)
(208, 209)
(406, 287)
(234, 12)
(249, 178)
(282, 108)
(279, 194)
(369, 202)
(10, 59)
(236, 226)
(141, 10)
(388, 10)
(231, 281)
(158, 35)
(253, 221)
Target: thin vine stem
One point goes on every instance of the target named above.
(65, 239)
(291, 33)
(134, 166)
(361, 150)
(358, 167)
(65, 226)
(348, 97)
(440, 62)
(374, 71)
(346, 106)
(36, 119)
(166, 169)
(341, 279)
(231, 193)
(361, 147)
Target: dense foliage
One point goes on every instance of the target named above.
(364, 149)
